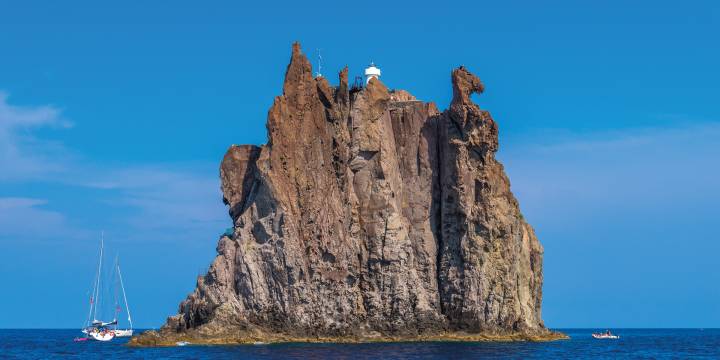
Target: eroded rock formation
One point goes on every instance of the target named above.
(368, 214)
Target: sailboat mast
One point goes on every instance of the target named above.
(92, 294)
(122, 286)
(97, 287)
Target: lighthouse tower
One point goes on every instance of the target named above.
(372, 71)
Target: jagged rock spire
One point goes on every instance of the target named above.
(366, 216)
(464, 84)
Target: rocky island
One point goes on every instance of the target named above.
(368, 216)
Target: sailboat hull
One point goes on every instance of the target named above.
(123, 333)
(118, 332)
(102, 336)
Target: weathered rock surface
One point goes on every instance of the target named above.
(367, 215)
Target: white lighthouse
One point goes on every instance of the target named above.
(372, 71)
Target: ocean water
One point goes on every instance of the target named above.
(633, 344)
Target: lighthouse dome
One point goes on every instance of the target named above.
(371, 71)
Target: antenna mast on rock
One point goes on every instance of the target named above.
(319, 67)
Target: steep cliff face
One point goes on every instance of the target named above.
(368, 214)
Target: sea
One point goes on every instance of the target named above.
(633, 344)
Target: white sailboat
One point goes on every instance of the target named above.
(106, 330)
(123, 332)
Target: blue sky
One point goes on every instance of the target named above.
(115, 117)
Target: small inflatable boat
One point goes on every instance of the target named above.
(605, 335)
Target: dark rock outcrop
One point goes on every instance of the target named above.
(367, 215)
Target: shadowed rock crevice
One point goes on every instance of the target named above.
(368, 215)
